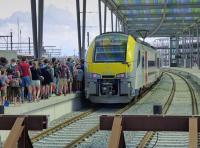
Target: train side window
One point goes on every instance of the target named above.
(142, 61)
(158, 63)
(138, 60)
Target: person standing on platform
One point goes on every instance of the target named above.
(25, 78)
(80, 74)
(35, 71)
(4, 81)
(64, 77)
(46, 74)
(57, 71)
(13, 90)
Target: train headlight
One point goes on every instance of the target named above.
(121, 75)
(94, 76)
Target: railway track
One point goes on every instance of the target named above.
(101, 137)
(180, 105)
(150, 139)
(72, 132)
(60, 125)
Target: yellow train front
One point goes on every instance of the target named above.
(117, 67)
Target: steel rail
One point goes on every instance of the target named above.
(195, 110)
(96, 128)
(149, 135)
(61, 125)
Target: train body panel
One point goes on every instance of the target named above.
(117, 67)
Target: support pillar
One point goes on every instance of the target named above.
(34, 27)
(11, 41)
(83, 31)
(190, 48)
(105, 16)
(198, 50)
(100, 19)
(29, 45)
(78, 26)
(183, 50)
(111, 20)
(40, 27)
(116, 23)
(177, 51)
(173, 47)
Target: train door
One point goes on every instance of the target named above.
(145, 68)
(143, 71)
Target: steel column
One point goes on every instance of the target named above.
(40, 26)
(100, 19)
(34, 27)
(11, 41)
(29, 45)
(83, 31)
(190, 48)
(78, 26)
(185, 49)
(105, 16)
(119, 25)
(198, 50)
(116, 23)
(177, 50)
(111, 20)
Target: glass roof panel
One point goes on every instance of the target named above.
(181, 12)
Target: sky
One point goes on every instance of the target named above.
(60, 28)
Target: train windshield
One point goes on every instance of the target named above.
(111, 48)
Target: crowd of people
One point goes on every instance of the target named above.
(33, 80)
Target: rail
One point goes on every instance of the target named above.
(149, 135)
(89, 132)
(61, 125)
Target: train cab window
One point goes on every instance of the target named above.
(110, 54)
(138, 59)
(110, 48)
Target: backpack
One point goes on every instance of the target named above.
(12, 70)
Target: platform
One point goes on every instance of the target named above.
(51, 106)
(54, 107)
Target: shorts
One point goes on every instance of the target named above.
(3, 93)
(46, 82)
(15, 91)
(35, 83)
(63, 81)
(26, 81)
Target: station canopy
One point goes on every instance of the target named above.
(156, 17)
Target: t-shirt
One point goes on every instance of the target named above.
(3, 79)
(45, 72)
(64, 72)
(35, 73)
(79, 74)
(12, 70)
(24, 69)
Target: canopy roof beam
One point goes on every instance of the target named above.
(158, 6)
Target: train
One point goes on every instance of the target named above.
(118, 66)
